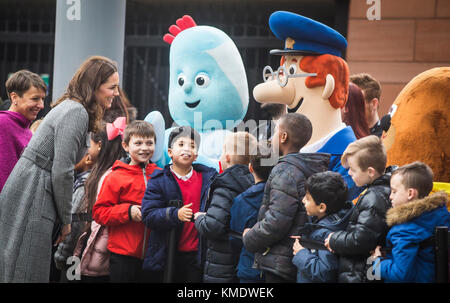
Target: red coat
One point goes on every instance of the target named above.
(122, 188)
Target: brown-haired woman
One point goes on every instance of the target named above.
(38, 192)
(354, 114)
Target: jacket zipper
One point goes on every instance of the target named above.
(145, 226)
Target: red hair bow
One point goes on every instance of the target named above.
(116, 128)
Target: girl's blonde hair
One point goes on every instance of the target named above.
(240, 146)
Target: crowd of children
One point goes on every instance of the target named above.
(273, 214)
(257, 221)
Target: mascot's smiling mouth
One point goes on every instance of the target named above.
(294, 110)
(192, 105)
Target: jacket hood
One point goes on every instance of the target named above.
(236, 177)
(133, 169)
(414, 209)
(250, 194)
(312, 162)
(334, 222)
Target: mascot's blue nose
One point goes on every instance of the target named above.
(187, 87)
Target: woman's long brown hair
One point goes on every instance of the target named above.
(110, 151)
(90, 75)
(354, 113)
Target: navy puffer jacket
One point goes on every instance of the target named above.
(320, 265)
(282, 214)
(161, 218)
(221, 259)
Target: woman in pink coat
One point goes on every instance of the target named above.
(27, 92)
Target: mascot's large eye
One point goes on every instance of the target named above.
(202, 80)
(292, 69)
(181, 79)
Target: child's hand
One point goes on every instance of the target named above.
(185, 213)
(327, 243)
(65, 231)
(377, 252)
(136, 214)
(245, 231)
(297, 246)
(197, 214)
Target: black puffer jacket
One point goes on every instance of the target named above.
(367, 229)
(221, 259)
(282, 213)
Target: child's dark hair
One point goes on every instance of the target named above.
(184, 132)
(298, 128)
(416, 175)
(138, 128)
(110, 151)
(261, 169)
(328, 188)
(22, 80)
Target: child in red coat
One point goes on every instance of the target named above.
(119, 203)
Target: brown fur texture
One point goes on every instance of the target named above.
(407, 212)
(420, 128)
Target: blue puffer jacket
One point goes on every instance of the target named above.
(160, 218)
(412, 223)
(244, 214)
(321, 265)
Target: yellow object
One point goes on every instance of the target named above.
(359, 196)
(442, 186)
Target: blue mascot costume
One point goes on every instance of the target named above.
(207, 90)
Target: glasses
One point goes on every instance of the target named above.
(281, 71)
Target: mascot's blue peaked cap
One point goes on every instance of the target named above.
(304, 36)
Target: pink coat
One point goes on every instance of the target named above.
(95, 258)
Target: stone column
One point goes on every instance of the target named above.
(85, 28)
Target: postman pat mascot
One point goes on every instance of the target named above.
(312, 80)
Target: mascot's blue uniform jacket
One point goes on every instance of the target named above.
(336, 147)
(412, 223)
